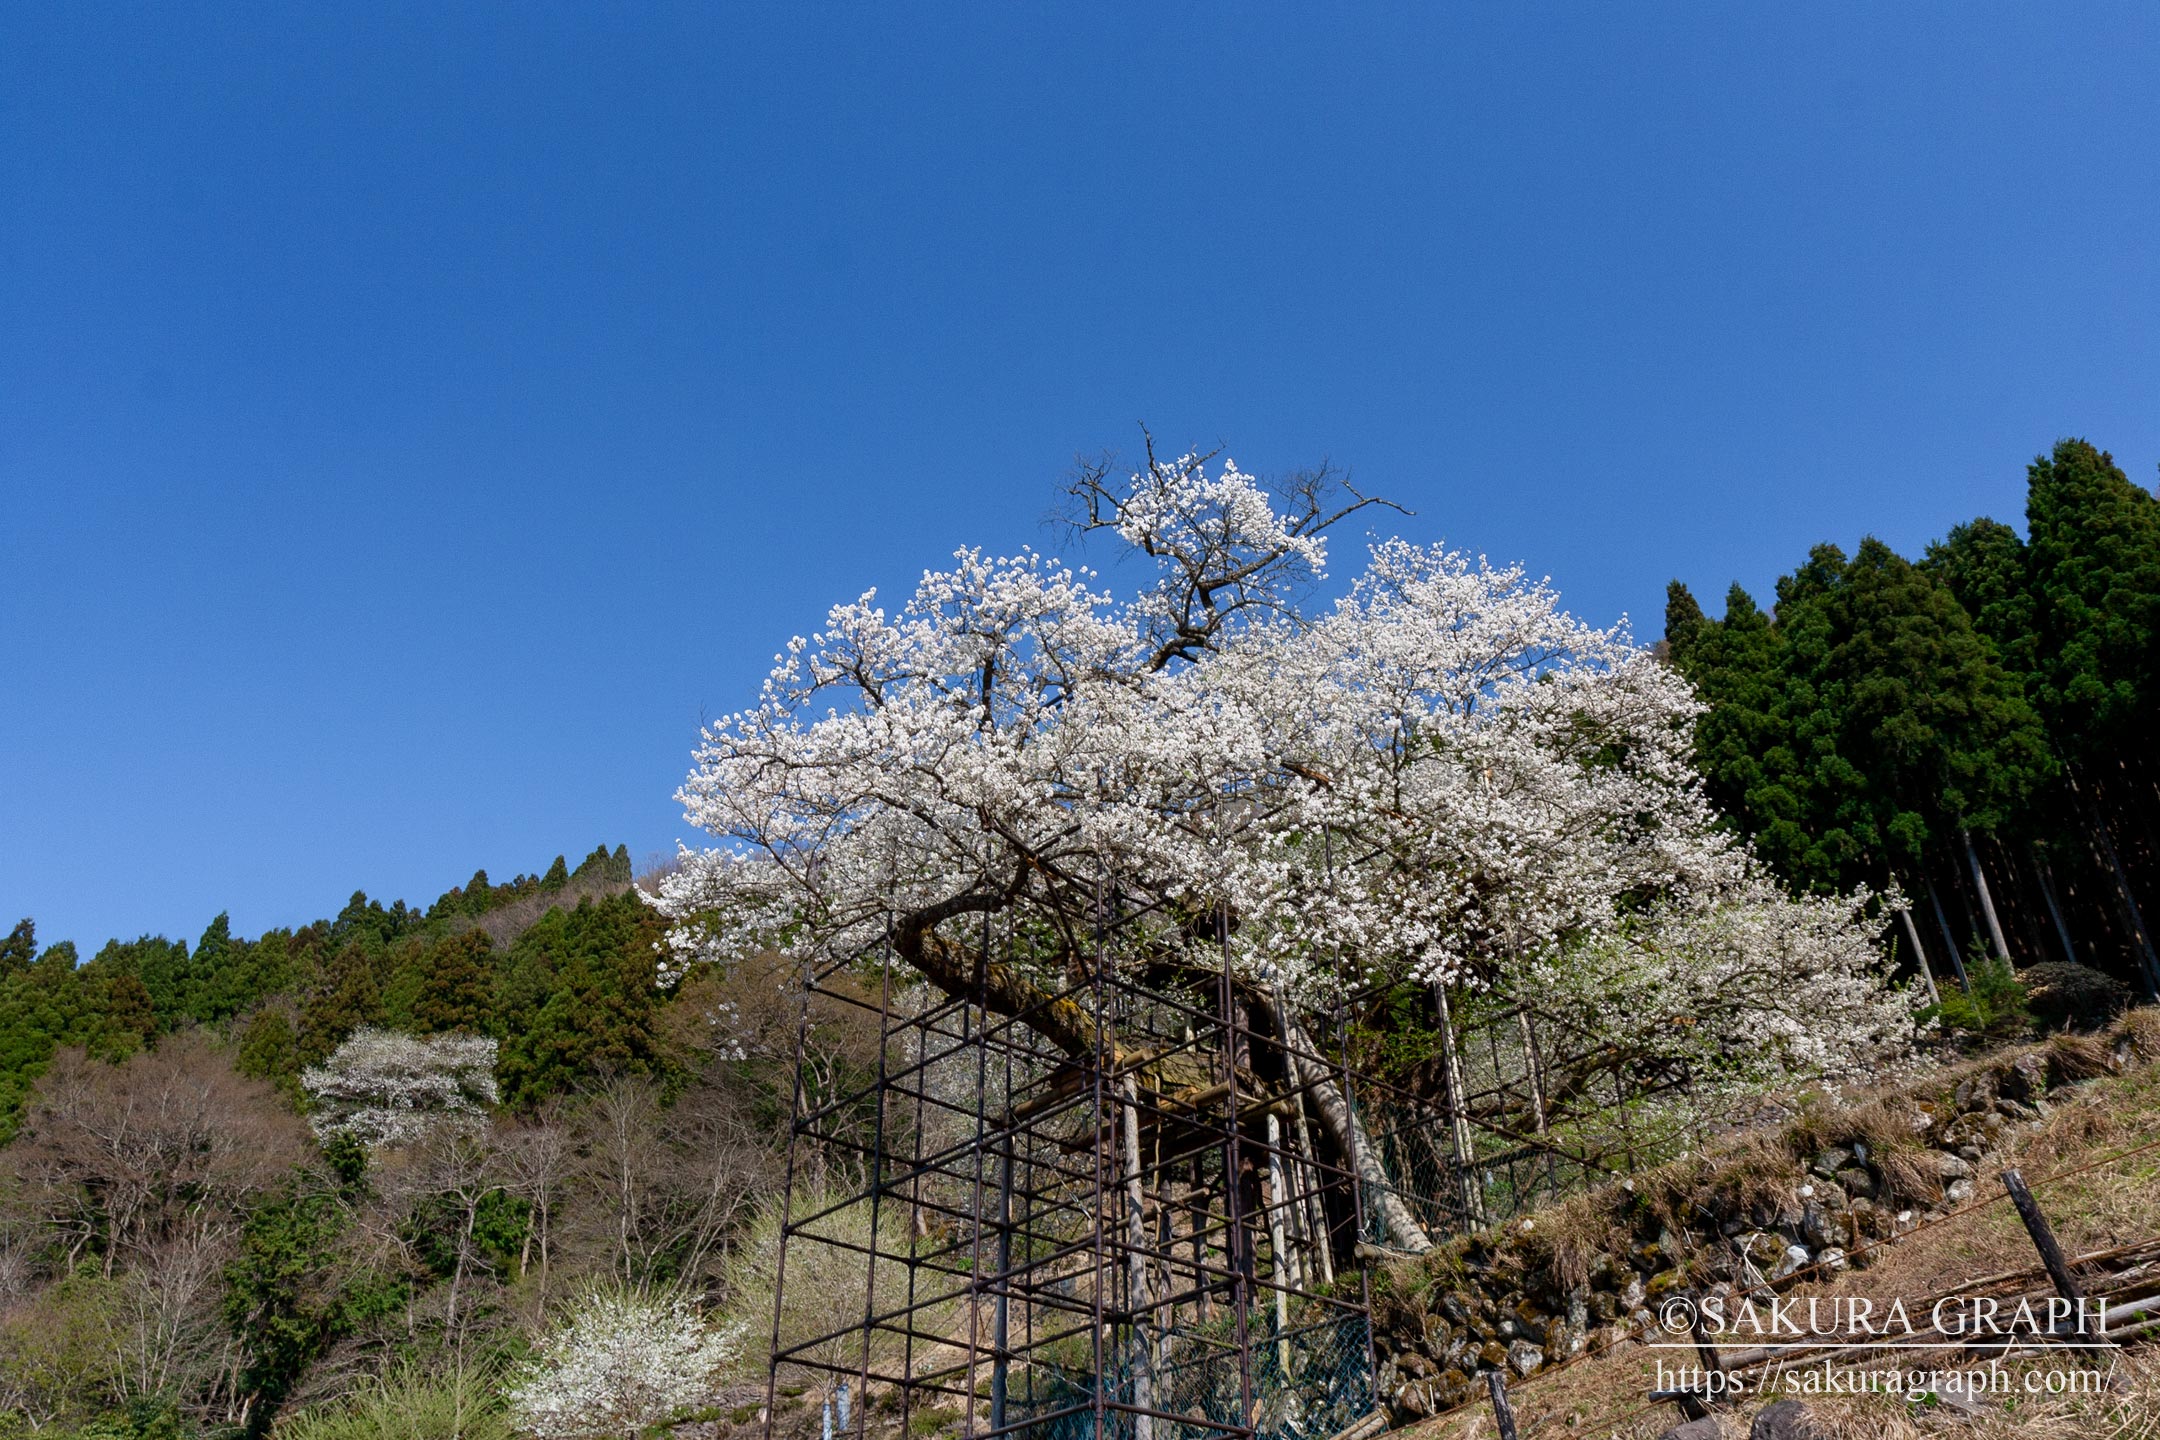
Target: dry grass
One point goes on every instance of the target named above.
(2096, 1196)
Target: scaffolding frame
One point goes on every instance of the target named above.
(1156, 1240)
(1142, 1242)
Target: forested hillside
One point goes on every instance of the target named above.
(1977, 725)
(179, 1248)
(558, 967)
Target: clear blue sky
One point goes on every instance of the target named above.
(412, 417)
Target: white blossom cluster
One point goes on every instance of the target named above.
(389, 1088)
(618, 1362)
(1442, 777)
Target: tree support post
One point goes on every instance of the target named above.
(2043, 1238)
(1458, 1120)
(1503, 1413)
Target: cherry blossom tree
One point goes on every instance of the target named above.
(619, 1361)
(1442, 777)
(390, 1088)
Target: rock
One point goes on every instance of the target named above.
(2016, 1109)
(1604, 1307)
(1856, 1181)
(1960, 1402)
(1821, 1227)
(1952, 1167)
(1453, 1307)
(1631, 1298)
(1664, 1282)
(1453, 1386)
(1976, 1093)
(1492, 1355)
(1704, 1429)
(1763, 1250)
(1411, 1402)
(1872, 1220)
(2026, 1078)
(1794, 1258)
(1957, 1192)
(1832, 1260)
(1525, 1358)
(1831, 1161)
(1785, 1420)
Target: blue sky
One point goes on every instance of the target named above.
(413, 417)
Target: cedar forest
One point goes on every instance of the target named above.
(182, 1253)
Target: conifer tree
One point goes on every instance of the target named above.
(457, 988)
(2096, 573)
(18, 949)
(1986, 567)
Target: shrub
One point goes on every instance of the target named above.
(618, 1361)
(407, 1404)
(1994, 1008)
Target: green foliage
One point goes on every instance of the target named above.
(479, 895)
(2095, 579)
(1994, 1009)
(18, 949)
(410, 1404)
(269, 1047)
(443, 983)
(1985, 565)
(282, 1300)
(143, 1418)
(1864, 723)
(54, 1002)
(1397, 1037)
(577, 999)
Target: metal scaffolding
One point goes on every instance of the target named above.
(1160, 1239)
(1152, 1241)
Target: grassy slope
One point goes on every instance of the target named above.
(2111, 1201)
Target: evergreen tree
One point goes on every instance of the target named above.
(457, 989)
(2095, 563)
(1864, 724)
(163, 966)
(347, 995)
(19, 949)
(1986, 567)
(580, 999)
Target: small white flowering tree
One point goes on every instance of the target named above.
(618, 1361)
(389, 1088)
(1443, 778)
